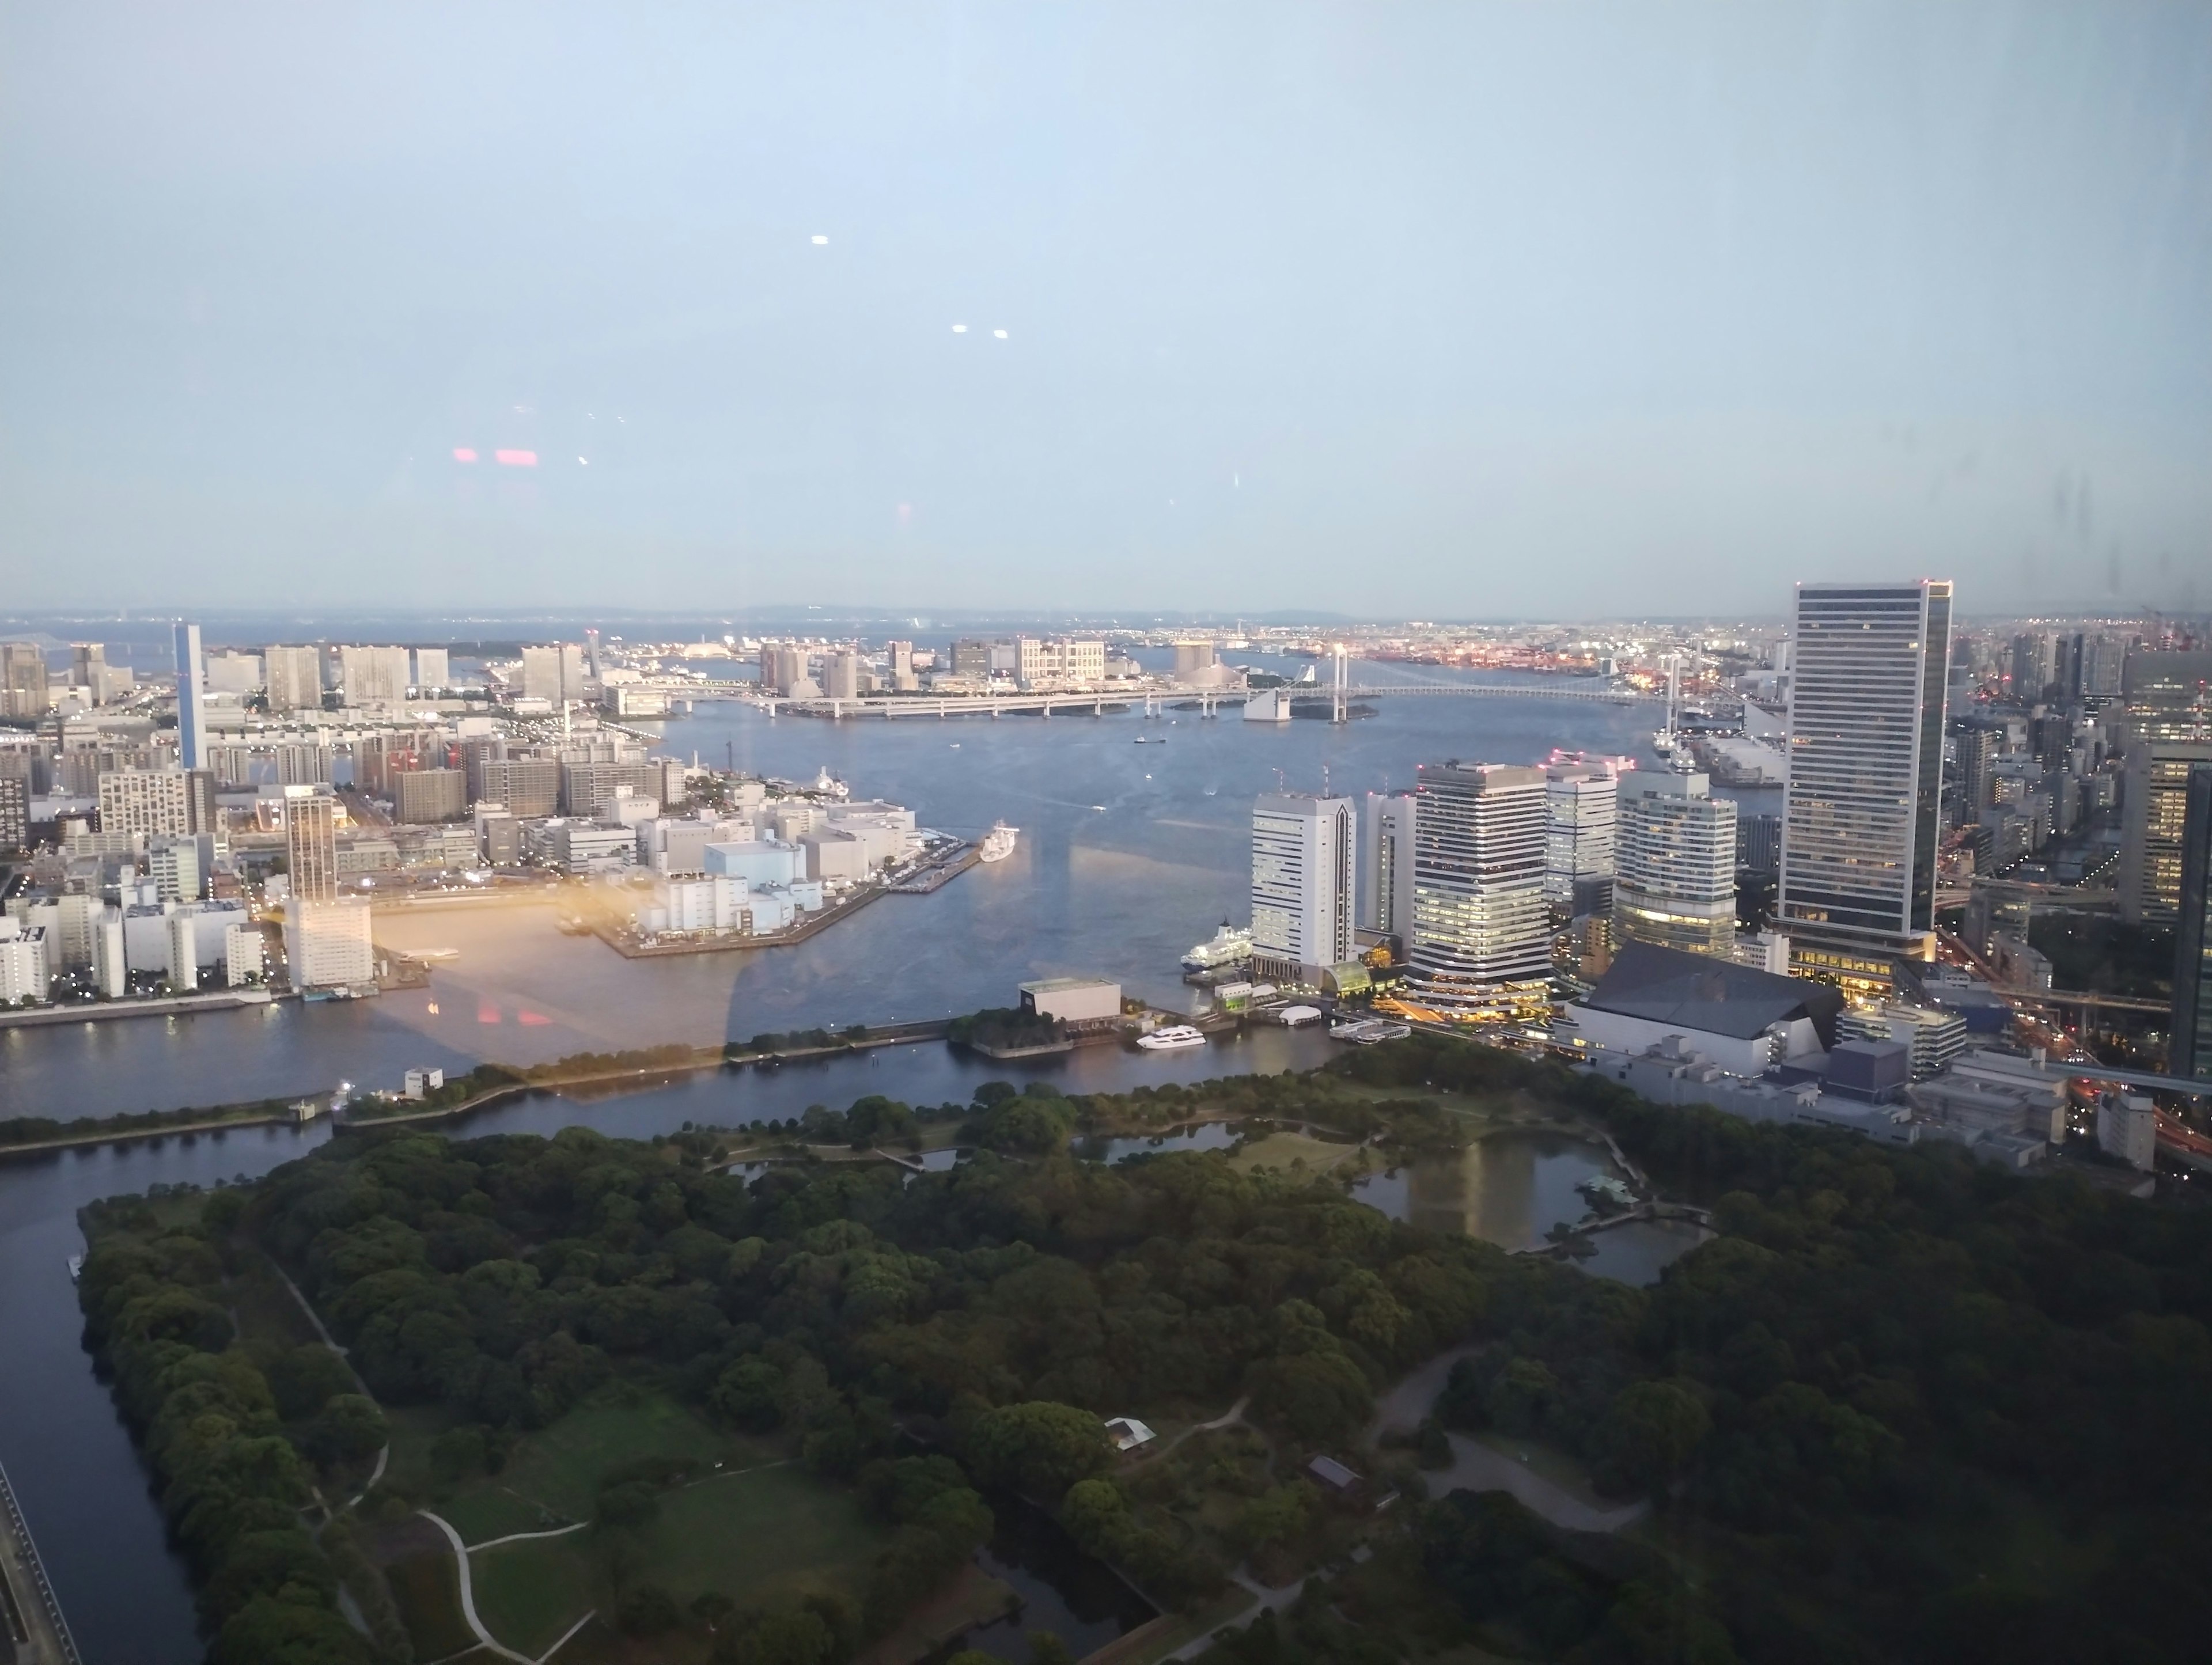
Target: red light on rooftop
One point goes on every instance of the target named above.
(462, 454)
(515, 458)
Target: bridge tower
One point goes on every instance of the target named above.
(1339, 700)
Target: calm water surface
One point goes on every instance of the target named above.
(1511, 1188)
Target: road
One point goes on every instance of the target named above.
(31, 1620)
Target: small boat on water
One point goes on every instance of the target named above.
(1175, 1037)
(76, 1267)
(999, 842)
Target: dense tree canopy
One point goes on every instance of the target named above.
(1902, 1406)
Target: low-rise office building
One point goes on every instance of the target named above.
(1073, 999)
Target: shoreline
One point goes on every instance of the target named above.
(703, 1058)
(160, 1006)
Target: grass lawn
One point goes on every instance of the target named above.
(1279, 1150)
(756, 1536)
(556, 1471)
(528, 1594)
(426, 1587)
(413, 1427)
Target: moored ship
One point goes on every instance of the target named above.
(1228, 946)
(999, 842)
(1175, 1037)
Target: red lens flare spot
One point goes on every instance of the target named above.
(533, 1019)
(487, 1013)
(462, 454)
(515, 458)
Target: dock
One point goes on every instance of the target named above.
(36, 1631)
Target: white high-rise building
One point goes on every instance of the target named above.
(1386, 898)
(328, 944)
(311, 842)
(173, 864)
(184, 951)
(433, 669)
(111, 963)
(24, 972)
(555, 672)
(1863, 814)
(1045, 661)
(241, 955)
(233, 672)
(1304, 851)
(1578, 832)
(374, 676)
(1677, 850)
(145, 802)
(295, 678)
(1482, 949)
(192, 705)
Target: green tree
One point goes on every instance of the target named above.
(647, 1610)
(272, 1630)
(349, 1427)
(1653, 1430)
(1041, 1447)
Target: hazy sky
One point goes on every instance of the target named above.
(1395, 309)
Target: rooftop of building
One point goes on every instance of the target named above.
(1714, 996)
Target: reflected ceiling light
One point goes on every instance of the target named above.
(462, 454)
(515, 458)
(1001, 334)
(819, 240)
(960, 329)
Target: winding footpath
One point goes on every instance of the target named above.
(469, 1600)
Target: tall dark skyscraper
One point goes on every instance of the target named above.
(1864, 810)
(2191, 1051)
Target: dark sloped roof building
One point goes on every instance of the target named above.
(1742, 1019)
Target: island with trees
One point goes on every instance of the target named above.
(611, 1400)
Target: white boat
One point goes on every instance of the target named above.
(1175, 1037)
(1228, 945)
(76, 1266)
(999, 842)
